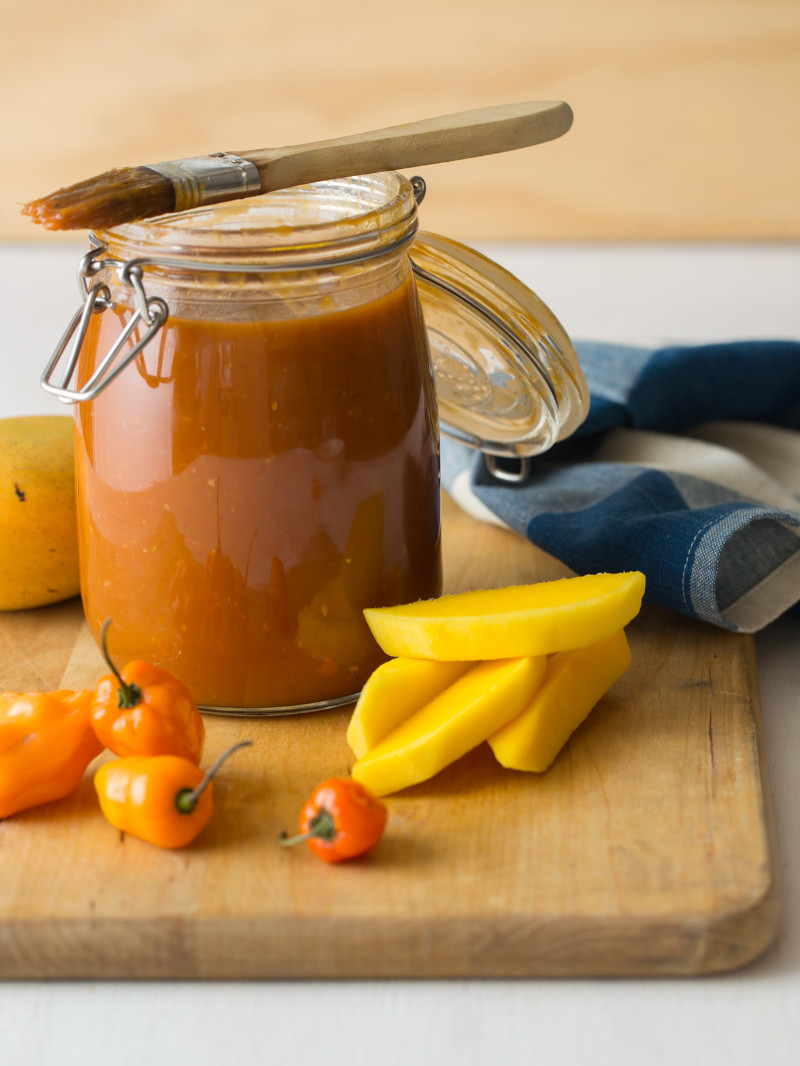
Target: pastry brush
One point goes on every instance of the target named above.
(130, 193)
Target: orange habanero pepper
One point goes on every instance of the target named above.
(46, 743)
(340, 820)
(143, 710)
(163, 799)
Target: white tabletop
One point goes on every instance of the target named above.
(623, 293)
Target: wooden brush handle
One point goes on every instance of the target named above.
(435, 140)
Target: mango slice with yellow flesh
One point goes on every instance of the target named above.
(395, 691)
(522, 620)
(468, 711)
(573, 684)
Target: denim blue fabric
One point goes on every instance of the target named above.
(707, 551)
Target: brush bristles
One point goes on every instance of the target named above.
(99, 203)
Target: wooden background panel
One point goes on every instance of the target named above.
(685, 110)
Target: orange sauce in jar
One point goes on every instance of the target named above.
(246, 488)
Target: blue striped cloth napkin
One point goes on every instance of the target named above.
(687, 468)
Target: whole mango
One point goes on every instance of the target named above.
(38, 523)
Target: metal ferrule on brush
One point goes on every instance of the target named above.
(207, 179)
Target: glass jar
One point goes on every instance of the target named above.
(256, 429)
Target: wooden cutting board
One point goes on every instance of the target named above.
(646, 849)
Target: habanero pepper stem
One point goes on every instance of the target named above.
(128, 695)
(186, 799)
(322, 827)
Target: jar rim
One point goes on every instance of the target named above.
(351, 218)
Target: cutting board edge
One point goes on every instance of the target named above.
(516, 946)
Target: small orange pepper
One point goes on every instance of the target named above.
(340, 820)
(143, 710)
(163, 799)
(46, 743)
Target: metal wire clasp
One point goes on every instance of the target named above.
(152, 311)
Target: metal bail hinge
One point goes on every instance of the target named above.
(511, 471)
(152, 311)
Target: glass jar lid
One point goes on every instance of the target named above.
(507, 376)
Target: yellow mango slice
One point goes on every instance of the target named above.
(522, 620)
(465, 714)
(394, 692)
(574, 682)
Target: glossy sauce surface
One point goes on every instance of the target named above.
(246, 488)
